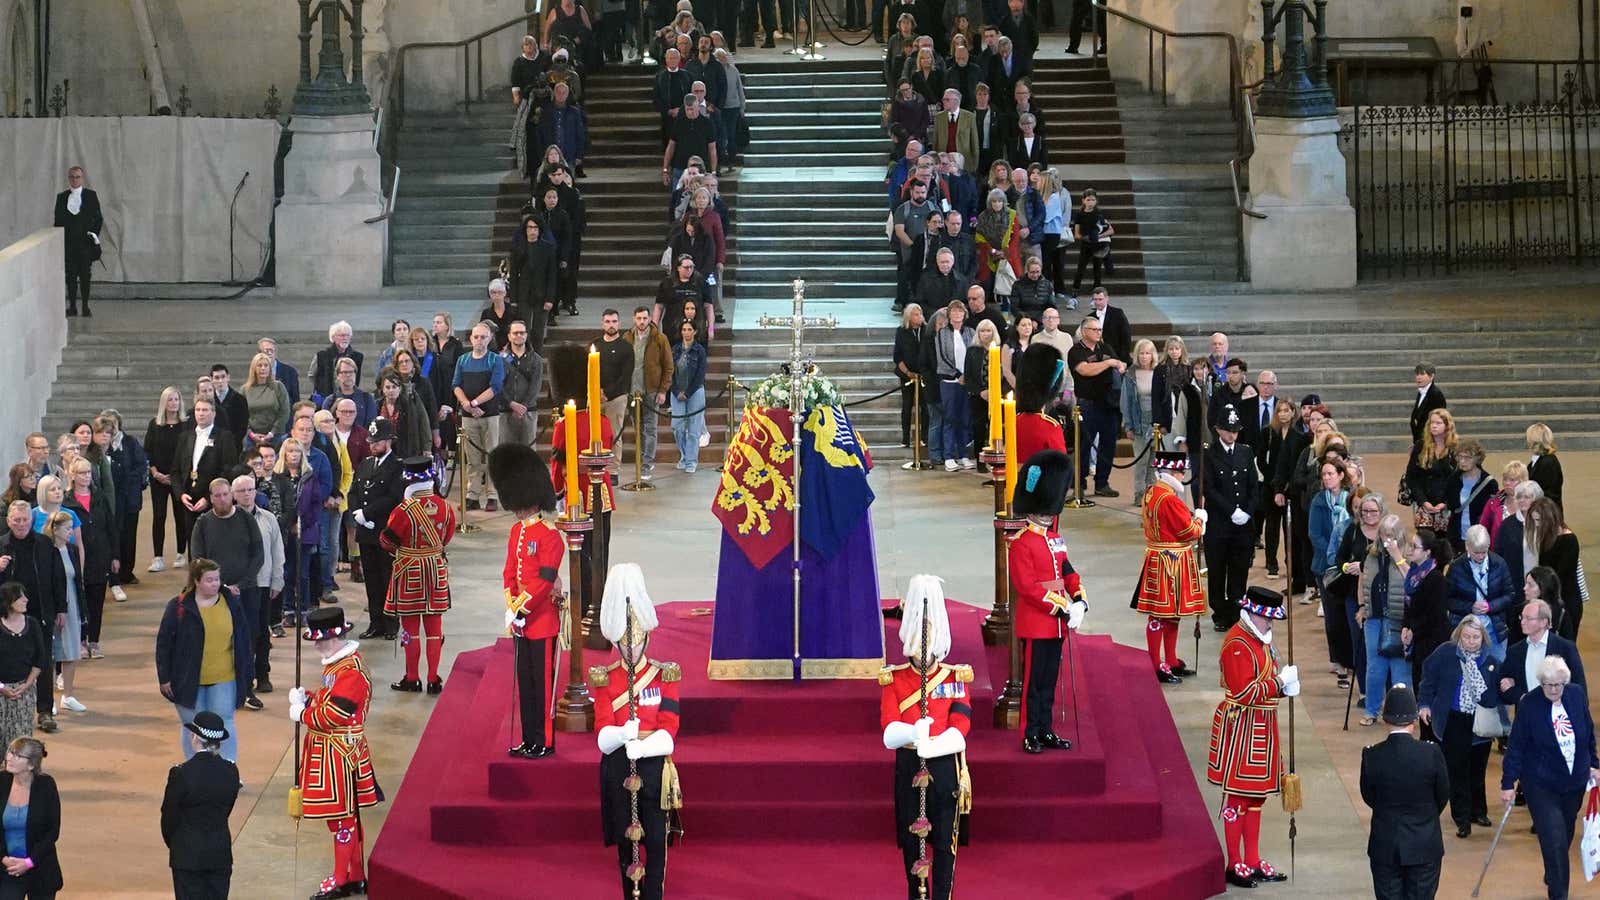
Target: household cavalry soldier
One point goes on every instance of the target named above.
(1244, 758)
(567, 367)
(636, 721)
(419, 587)
(336, 777)
(1231, 492)
(377, 489)
(1050, 598)
(1169, 582)
(535, 609)
(1039, 374)
(927, 737)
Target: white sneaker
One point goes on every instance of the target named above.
(967, 463)
(73, 704)
(157, 565)
(61, 685)
(951, 465)
(1320, 613)
(181, 562)
(118, 594)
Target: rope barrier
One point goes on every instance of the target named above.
(826, 14)
(1133, 462)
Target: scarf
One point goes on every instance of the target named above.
(1415, 575)
(1472, 684)
(993, 226)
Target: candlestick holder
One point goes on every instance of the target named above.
(575, 708)
(596, 464)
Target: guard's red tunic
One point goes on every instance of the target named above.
(1040, 571)
(949, 697)
(1037, 431)
(417, 532)
(558, 460)
(655, 687)
(533, 560)
(336, 776)
(1244, 757)
(1169, 582)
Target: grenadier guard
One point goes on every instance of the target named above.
(567, 364)
(1039, 373)
(1244, 758)
(1050, 598)
(419, 586)
(336, 777)
(535, 609)
(926, 713)
(1231, 491)
(636, 721)
(1169, 583)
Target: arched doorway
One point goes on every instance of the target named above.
(16, 68)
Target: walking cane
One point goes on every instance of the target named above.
(294, 792)
(1504, 818)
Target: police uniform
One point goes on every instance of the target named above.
(1231, 488)
(194, 816)
(639, 796)
(1169, 580)
(378, 487)
(1047, 591)
(336, 776)
(1243, 758)
(419, 587)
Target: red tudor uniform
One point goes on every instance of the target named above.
(950, 707)
(1243, 757)
(419, 587)
(1169, 582)
(1043, 582)
(531, 575)
(336, 777)
(655, 686)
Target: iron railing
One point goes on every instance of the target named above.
(471, 89)
(1443, 189)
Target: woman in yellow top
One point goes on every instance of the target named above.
(203, 653)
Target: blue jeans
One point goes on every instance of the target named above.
(331, 526)
(217, 698)
(1383, 672)
(933, 408)
(956, 417)
(287, 602)
(686, 431)
(1099, 431)
(310, 570)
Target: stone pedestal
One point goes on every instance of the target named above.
(1297, 179)
(332, 183)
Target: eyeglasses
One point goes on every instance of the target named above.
(1553, 684)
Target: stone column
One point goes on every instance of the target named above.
(332, 184)
(1297, 179)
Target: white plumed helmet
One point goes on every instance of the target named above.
(624, 589)
(925, 591)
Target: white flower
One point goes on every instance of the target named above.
(774, 390)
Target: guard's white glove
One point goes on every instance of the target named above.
(659, 743)
(899, 734)
(1292, 689)
(297, 704)
(1203, 516)
(1289, 676)
(610, 738)
(949, 741)
(630, 730)
(1075, 613)
(299, 695)
(1239, 516)
(511, 619)
(923, 726)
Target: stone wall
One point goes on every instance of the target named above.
(228, 52)
(33, 297)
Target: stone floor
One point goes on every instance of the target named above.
(110, 761)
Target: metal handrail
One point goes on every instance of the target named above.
(536, 14)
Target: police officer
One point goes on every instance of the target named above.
(194, 814)
(1231, 491)
(377, 489)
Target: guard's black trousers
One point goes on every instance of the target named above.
(1229, 549)
(1041, 666)
(376, 566)
(535, 672)
(615, 815)
(941, 815)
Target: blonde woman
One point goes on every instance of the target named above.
(1543, 466)
(67, 643)
(1382, 611)
(975, 377)
(96, 539)
(267, 400)
(1431, 471)
(1138, 414)
(160, 443)
(1171, 374)
(1503, 505)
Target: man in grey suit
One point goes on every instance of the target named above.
(1405, 782)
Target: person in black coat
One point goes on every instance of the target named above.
(1405, 783)
(1429, 398)
(907, 365)
(191, 481)
(1552, 781)
(78, 211)
(1231, 492)
(535, 273)
(1537, 628)
(1544, 469)
(99, 534)
(325, 366)
(31, 559)
(39, 873)
(194, 815)
(377, 489)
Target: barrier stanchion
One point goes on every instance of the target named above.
(730, 428)
(1077, 501)
(639, 484)
(462, 525)
(916, 427)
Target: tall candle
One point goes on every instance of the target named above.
(995, 423)
(1010, 410)
(594, 399)
(569, 421)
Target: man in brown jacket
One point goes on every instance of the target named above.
(652, 378)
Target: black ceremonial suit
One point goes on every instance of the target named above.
(377, 489)
(79, 246)
(1231, 483)
(1405, 782)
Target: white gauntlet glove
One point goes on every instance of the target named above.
(297, 703)
(1239, 516)
(630, 730)
(1075, 613)
(360, 518)
(511, 619)
(1203, 516)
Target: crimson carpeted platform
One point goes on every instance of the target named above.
(787, 791)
